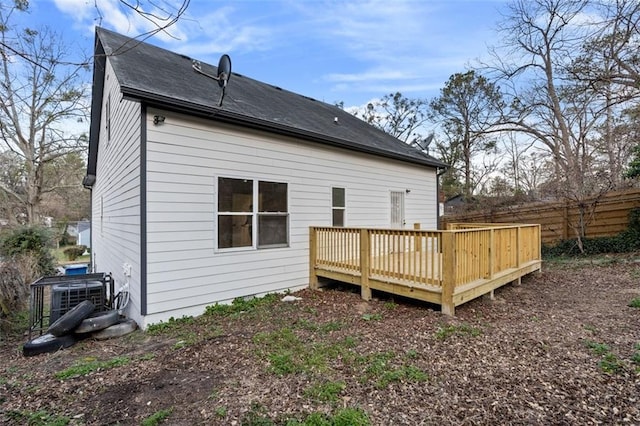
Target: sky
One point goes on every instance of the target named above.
(351, 51)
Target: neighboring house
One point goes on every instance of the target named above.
(194, 204)
(453, 203)
(84, 233)
(72, 230)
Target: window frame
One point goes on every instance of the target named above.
(108, 118)
(343, 207)
(255, 214)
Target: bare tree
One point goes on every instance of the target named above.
(157, 16)
(399, 116)
(482, 173)
(609, 66)
(631, 130)
(70, 201)
(41, 98)
(515, 151)
(535, 172)
(160, 14)
(11, 177)
(543, 38)
(545, 102)
(616, 44)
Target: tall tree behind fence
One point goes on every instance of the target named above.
(558, 219)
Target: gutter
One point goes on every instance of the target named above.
(439, 172)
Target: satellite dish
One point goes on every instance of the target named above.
(424, 144)
(223, 74)
(224, 70)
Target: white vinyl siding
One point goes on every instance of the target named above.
(186, 155)
(116, 193)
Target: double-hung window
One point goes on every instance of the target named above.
(337, 207)
(252, 213)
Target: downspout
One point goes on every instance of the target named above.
(91, 261)
(143, 210)
(87, 182)
(439, 172)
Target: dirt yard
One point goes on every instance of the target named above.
(561, 348)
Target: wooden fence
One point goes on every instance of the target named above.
(445, 267)
(559, 219)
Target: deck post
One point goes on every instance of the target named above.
(417, 240)
(518, 245)
(313, 278)
(539, 242)
(448, 272)
(492, 254)
(365, 290)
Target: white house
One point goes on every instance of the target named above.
(195, 203)
(84, 233)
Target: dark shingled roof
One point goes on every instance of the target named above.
(167, 80)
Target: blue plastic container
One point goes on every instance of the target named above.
(75, 269)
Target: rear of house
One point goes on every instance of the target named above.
(195, 204)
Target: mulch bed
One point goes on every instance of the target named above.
(561, 348)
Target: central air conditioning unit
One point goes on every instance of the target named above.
(65, 296)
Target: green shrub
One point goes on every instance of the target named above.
(634, 221)
(66, 240)
(25, 257)
(625, 242)
(74, 252)
(32, 241)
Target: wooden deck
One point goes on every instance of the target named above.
(447, 267)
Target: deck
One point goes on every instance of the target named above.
(448, 267)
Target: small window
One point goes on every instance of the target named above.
(108, 117)
(337, 206)
(245, 204)
(101, 216)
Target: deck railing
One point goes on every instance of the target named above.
(439, 261)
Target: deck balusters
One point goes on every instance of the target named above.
(439, 266)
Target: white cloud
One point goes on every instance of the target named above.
(218, 32)
(398, 45)
(199, 35)
(146, 16)
(370, 75)
(79, 9)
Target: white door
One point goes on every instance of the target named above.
(397, 209)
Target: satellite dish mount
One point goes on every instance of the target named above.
(223, 75)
